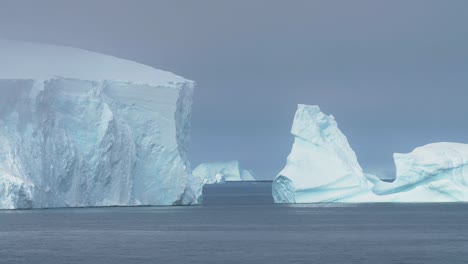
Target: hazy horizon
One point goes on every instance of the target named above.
(393, 73)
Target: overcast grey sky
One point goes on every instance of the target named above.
(393, 73)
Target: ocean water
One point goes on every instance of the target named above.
(238, 224)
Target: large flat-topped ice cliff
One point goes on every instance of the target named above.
(323, 168)
(79, 128)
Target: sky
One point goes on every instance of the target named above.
(394, 74)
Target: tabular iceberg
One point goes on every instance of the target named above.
(79, 128)
(219, 172)
(322, 167)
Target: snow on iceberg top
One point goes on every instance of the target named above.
(430, 159)
(439, 152)
(24, 60)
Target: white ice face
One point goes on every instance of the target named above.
(435, 172)
(321, 161)
(322, 167)
(81, 129)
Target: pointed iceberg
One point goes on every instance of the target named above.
(322, 167)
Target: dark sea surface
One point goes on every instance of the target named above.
(238, 224)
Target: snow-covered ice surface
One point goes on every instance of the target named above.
(32, 61)
(79, 128)
(322, 167)
(435, 172)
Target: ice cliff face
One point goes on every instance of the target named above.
(321, 164)
(79, 128)
(322, 167)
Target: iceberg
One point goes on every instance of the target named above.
(322, 168)
(219, 172)
(436, 172)
(78, 128)
(247, 175)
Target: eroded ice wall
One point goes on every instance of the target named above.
(79, 128)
